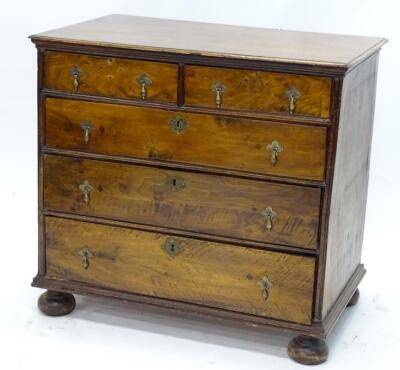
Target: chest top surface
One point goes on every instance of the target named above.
(183, 37)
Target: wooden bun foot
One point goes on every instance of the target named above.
(354, 299)
(308, 350)
(53, 303)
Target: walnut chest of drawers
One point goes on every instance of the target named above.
(205, 168)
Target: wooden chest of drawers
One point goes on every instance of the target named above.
(213, 169)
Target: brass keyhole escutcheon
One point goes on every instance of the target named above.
(178, 124)
(172, 247)
(85, 253)
(292, 94)
(275, 148)
(175, 183)
(265, 284)
(270, 215)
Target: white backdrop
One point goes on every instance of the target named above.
(105, 334)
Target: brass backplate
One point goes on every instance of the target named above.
(144, 79)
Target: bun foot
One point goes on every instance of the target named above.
(308, 350)
(354, 299)
(53, 303)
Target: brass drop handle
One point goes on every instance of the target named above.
(86, 127)
(292, 94)
(85, 253)
(144, 81)
(269, 215)
(76, 74)
(86, 189)
(218, 89)
(265, 285)
(275, 148)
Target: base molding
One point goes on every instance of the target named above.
(343, 300)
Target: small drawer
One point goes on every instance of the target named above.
(110, 77)
(217, 205)
(257, 91)
(289, 150)
(257, 282)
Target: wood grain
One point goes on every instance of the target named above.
(216, 205)
(113, 77)
(205, 39)
(131, 260)
(232, 143)
(350, 186)
(258, 91)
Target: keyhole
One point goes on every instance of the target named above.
(175, 183)
(178, 124)
(172, 248)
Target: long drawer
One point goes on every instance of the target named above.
(111, 77)
(218, 205)
(241, 279)
(241, 144)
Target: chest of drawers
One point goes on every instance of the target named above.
(203, 168)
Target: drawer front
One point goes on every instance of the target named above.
(218, 205)
(112, 77)
(240, 144)
(257, 91)
(253, 281)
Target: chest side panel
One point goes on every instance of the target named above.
(350, 183)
